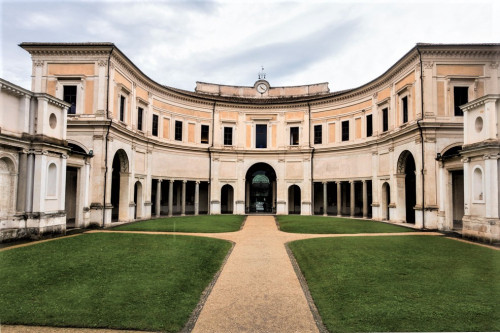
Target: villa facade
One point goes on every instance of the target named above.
(418, 145)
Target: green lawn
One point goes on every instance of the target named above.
(201, 223)
(333, 225)
(402, 283)
(123, 281)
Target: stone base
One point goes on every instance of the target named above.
(34, 226)
(481, 228)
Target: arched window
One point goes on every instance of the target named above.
(477, 184)
(52, 180)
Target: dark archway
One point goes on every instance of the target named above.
(386, 200)
(119, 186)
(294, 199)
(406, 166)
(138, 200)
(260, 189)
(226, 199)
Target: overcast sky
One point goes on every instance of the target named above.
(177, 43)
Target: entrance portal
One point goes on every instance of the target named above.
(260, 186)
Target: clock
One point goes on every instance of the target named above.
(262, 88)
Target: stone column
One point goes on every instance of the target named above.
(170, 197)
(352, 197)
(325, 202)
(197, 198)
(491, 186)
(339, 198)
(247, 196)
(158, 198)
(183, 198)
(365, 200)
(467, 183)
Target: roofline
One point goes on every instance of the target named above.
(296, 99)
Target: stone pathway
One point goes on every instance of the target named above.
(257, 289)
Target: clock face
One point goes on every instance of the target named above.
(262, 88)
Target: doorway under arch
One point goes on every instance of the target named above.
(138, 200)
(294, 199)
(119, 186)
(386, 200)
(406, 166)
(226, 199)
(260, 189)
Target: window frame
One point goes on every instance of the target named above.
(385, 119)
(266, 135)
(153, 128)
(345, 135)
(178, 130)
(227, 136)
(294, 135)
(369, 125)
(404, 109)
(140, 118)
(208, 134)
(318, 135)
(455, 106)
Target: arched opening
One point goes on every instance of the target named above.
(138, 200)
(119, 186)
(453, 182)
(294, 199)
(260, 189)
(226, 199)
(406, 166)
(7, 186)
(52, 180)
(477, 184)
(386, 200)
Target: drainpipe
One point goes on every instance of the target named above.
(422, 136)
(210, 162)
(312, 159)
(106, 144)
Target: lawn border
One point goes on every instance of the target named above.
(193, 318)
(303, 284)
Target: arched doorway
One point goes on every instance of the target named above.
(226, 199)
(406, 166)
(138, 200)
(119, 186)
(386, 200)
(260, 189)
(294, 199)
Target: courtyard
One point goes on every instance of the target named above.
(259, 273)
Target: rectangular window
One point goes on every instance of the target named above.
(204, 133)
(260, 136)
(385, 120)
(69, 96)
(404, 105)
(140, 111)
(122, 108)
(369, 125)
(318, 134)
(154, 128)
(345, 130)
(461, 97)
(294, 136)
(178, 130)
(228, 136)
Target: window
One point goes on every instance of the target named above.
(154, 128)
(318, 134)
(69, 96)
(345, 130)
(461, 97)
(228, 136)
(140, 111)
(204, 133)
(404, 105)
(260, 136)
(294, 136)
(178, 130)
(385, 120)
(122, 108)
(369, 125)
